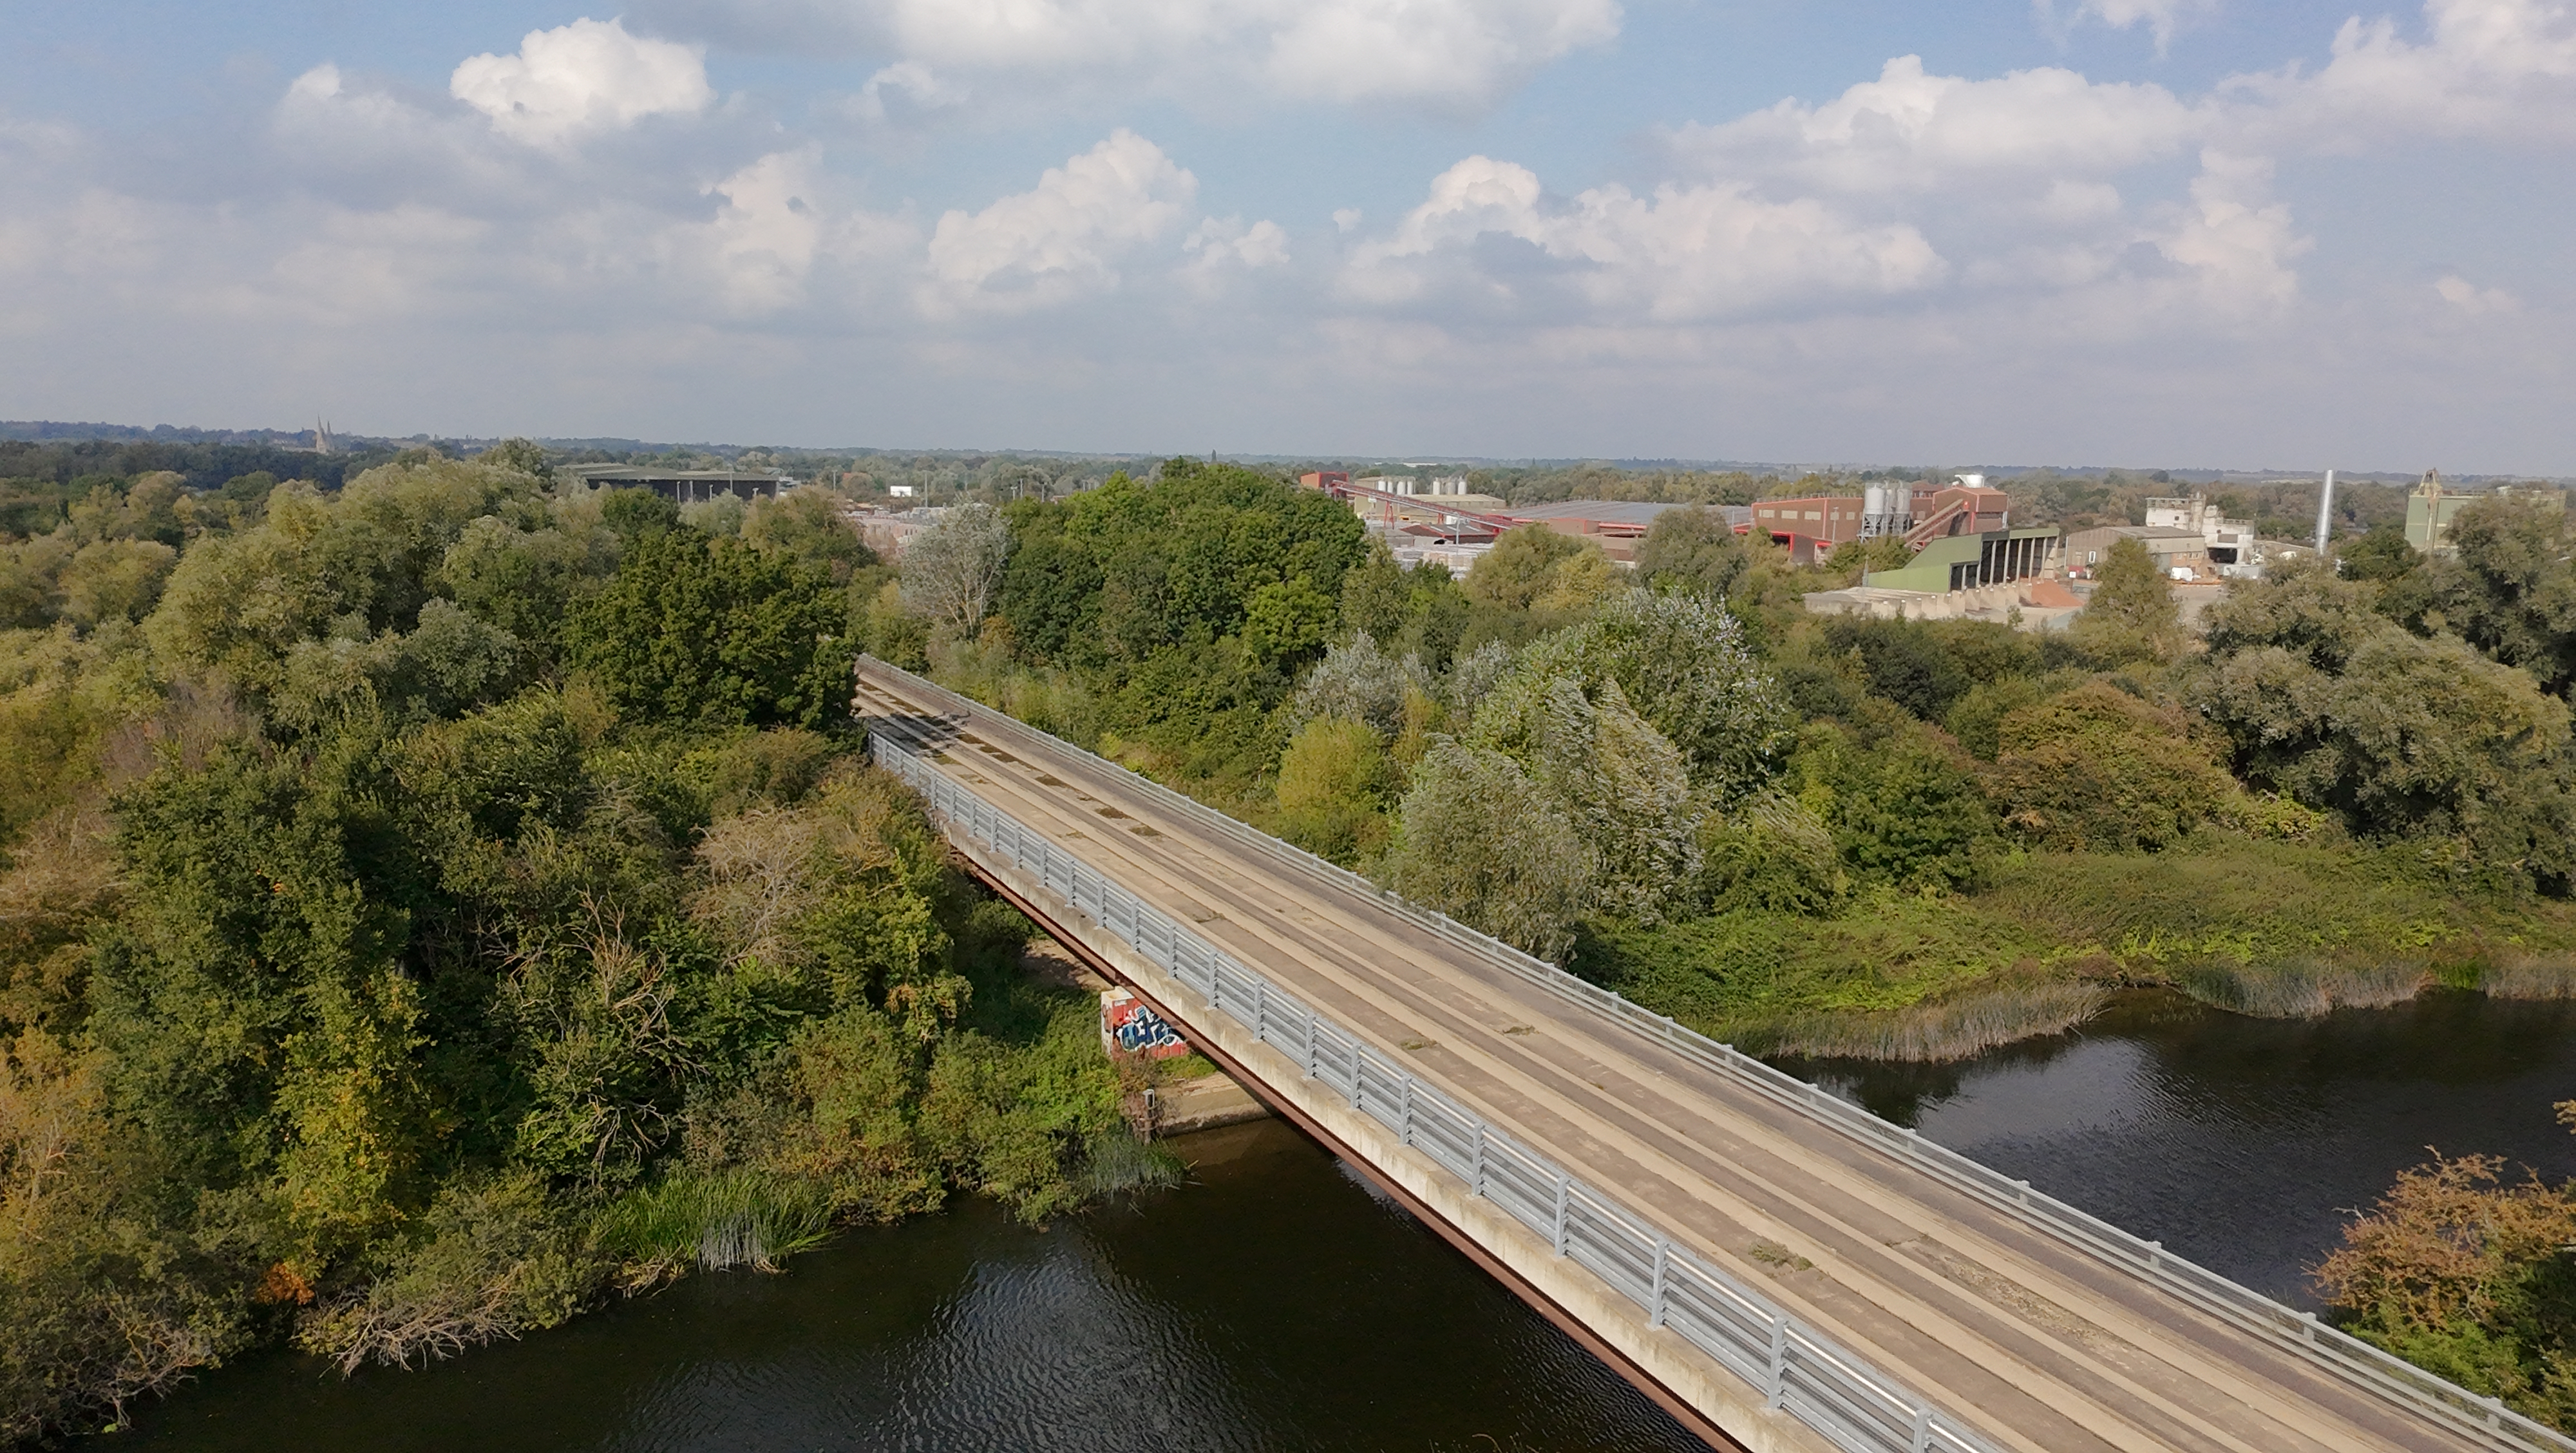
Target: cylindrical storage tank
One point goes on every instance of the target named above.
(1873, 502)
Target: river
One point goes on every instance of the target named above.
(1279, 1302)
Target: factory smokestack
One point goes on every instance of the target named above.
(2325, 514)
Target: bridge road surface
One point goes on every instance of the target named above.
(2032, 1341)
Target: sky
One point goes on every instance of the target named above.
(2182, 233)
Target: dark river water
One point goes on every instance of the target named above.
(1277, 1303)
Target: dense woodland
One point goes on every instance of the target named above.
(433, 905)
(437, 903)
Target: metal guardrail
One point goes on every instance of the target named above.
(2302, 1333)
(1798, 1369)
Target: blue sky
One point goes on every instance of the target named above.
(2147, 232)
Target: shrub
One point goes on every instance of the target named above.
(2096, 767)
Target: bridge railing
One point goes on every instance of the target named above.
(1799, 1370)
(2302, 1333)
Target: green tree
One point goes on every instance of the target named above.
(1522, 569)
(808, 525)
(1683, 662)
(2382, 554)
(694, 629)
(1482, 842)
(1694, 549)
(2098, 768)
(2131, 615)
(2509, 590)
(1335, 782)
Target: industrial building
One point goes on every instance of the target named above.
(2433, 505)
(2179, 554)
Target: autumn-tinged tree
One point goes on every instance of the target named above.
(2461, 1273)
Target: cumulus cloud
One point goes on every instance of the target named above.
(1061, 240)
(1916, 132)
(1441, 53)
(589, 75)
(1488, 241)
(2494, 69)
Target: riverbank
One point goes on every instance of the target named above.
(2268, 929)
(1275, 1302)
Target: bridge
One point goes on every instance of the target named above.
(1777, 1268)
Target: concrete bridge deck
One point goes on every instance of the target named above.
(1671, 1202)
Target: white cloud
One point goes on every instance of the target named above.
(1228, 240)
(589, 75)
(2161, 17)
(1686, 254)
(920, 87)
(1440, 53)
(2236, 240)
(2473, 300)
(1062, 239)
(2496, 69)
(1453, 51)
(1911, 131)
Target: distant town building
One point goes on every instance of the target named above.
(1811, 527)
(2433, 505)
(2179, 554)
(2230, 542)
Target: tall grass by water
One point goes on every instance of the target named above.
(1118, 1160)
(717, 1221)
(1956, 1029)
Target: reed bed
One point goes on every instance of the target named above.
(2525, 977)
(1951, 1030)
(718, 1221)
(2304, 990)
(1117, 1160)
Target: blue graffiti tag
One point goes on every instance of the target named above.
(1144, 1030)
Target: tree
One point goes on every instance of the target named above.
(807, 524)
(2131, 616)
(635, 513)
(1334, 783)
(1481, 842)
(2467, 1277)
(694, 629)
(2098, 768)
(1694, 549)
(2509, 590)
(1359, 682)
(2401, 736)
(523, 455)
(952, 570)
(2382, 554)
(1520, 568)
(1683, 662)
